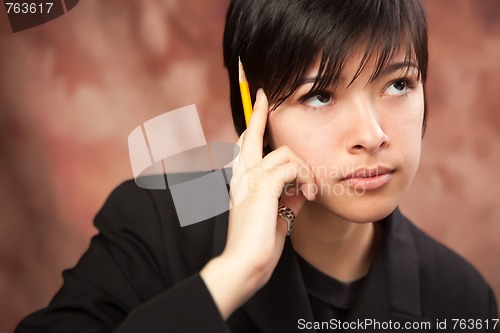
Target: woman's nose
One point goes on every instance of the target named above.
(365, 132)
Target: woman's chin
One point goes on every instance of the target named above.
(360, 210)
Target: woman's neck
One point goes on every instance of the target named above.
(337, 247)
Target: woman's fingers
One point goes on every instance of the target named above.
(304, 173)
(292, 174)
(252, 144)
(237, 165)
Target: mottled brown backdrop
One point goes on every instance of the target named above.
(73, 89)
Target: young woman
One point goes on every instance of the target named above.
(339, 113)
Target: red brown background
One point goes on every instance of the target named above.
(73, 89)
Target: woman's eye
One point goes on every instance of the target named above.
(318, 100)
(397, 88)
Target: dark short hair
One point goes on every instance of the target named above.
(279, 40)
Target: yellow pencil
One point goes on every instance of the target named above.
(245, 93)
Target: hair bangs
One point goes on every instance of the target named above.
(388, 29)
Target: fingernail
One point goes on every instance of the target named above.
(310, 188)
(260, 93)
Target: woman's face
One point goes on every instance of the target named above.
(363, 141)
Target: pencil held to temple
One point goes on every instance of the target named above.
(245, 93)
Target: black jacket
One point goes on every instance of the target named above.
(140, 274)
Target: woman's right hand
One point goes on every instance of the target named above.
(256, 235)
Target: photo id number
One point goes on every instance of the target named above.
(28, 7)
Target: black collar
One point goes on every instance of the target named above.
(392, 287)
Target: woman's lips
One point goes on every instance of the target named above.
(369, 179)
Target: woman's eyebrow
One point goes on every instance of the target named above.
(390, 68)
(393, 67)
(313, 79)
(308, 80)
